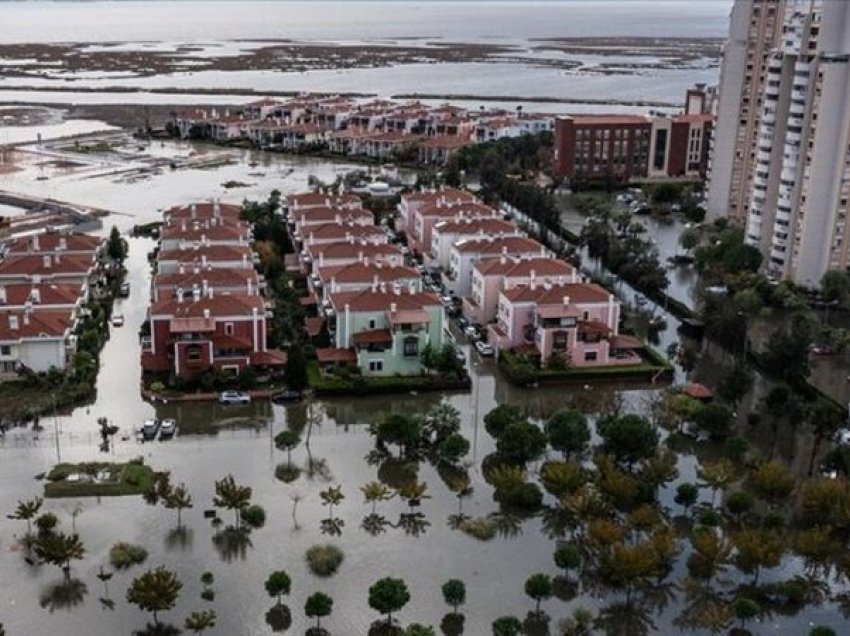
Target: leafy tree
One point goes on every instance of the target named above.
(59, 549)
(441, 422)
(27, 510)
(714, 419)
(231, 496)
(835, 286)
(567, 557)
(629, 438)
(521, 442)
(787, 352)
(296, 367)
(497, 420)
(405, 431)
(686, 495)
(821, 630)
(46, 522)
(388, 595)
(568, 432)
(735, 383)
(278, 584)
(374, 492)
(746, 609)
(757, 548)
(116, 247)
(507, 626)
(772, 482)
(155, 591)
(287, 440)
(739, 503)
(199, 622)
(710, 553)
(318, 606)
(453, 448)
(627, 567)
(539, 588)
(454, 593)
(562, 478)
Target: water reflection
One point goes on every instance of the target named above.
(64, 595)
(158, 629)
(375, 524)
(279, 618)
(232, 543)
(179, 538)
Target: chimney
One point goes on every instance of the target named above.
(194, 210)
(203, 260)
(206, 314)
(27, 312)
(13, 322)
(3, 295)
(63, 243)
(35, 295)
(181, 268)
(250, 287)
(245, 261)
(393, 307)
(47, 261)
(35, 243)
(178, 293)
(566, 300)
(210, 292)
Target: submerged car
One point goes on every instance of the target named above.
(117, 320)
(286, 395)
(167, 428)
(484, 349)
(233, 397)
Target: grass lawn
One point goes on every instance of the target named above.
(523, 373)
(359, 385)
(98, 479)
(19, 398)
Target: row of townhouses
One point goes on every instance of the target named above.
(45, 280)
(380, 311)
(374, 307)
(524, 298)
(380, 129)
(208, 307)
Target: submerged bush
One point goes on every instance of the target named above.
(123, 555)
(482, 528)
(287, 473)
(254, 516)
(324, 560)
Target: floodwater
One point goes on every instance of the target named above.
(213, 441)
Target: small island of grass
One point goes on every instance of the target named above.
(99, 479)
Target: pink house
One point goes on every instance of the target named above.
(445, 234)
(361, 276)
(297, 202)
(336, 232)
(493, 275)
(410, 203)
(427, 216)
(578, 321)
(321, 215)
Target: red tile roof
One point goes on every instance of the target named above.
(333, 354)
(330, 213)
(49, 242)
(352, 249)
(361, 272)
(608, 120)
(212, 253)
(342, 230)
(202, 211)
(549, 294)
(232, 232)
(219, 306)
(270, 358)
(409, 316)
(374, 336)
(45, 265)
(368, 300)
(19, 294)
(458, 209)
(216, 278)
(15, 325)
(447, 194)
(499, 245)
(313, 199)
(484, 225)
(313, 325)
(512, 267)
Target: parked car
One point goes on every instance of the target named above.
(460, 357)
(124, 290)
(149, 429)
(462, 322)
(233, 397)
(167, 428)
(484, 349)
(286, 395)
(117, 320)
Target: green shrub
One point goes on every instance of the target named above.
(287, 473)
(207, 578)
(123, 555)
(46, 522)
(254, 516)
(324, 560)
(482, 528)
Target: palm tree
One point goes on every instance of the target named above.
(413, 492)
(58, 548)
(374, 492)
(717, 476)
(331, 497)
(232, 496)
(155, 591)
(27, 510)
(177, 499)
(199, 622)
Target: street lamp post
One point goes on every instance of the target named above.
(56, 429)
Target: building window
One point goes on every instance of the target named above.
(228, 328)
(5, 350)
(590, 356)
(372, 324)
(411, 347)
(376, 365)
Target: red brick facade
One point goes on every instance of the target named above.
(602, 147)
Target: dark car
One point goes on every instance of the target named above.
(286, 395)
